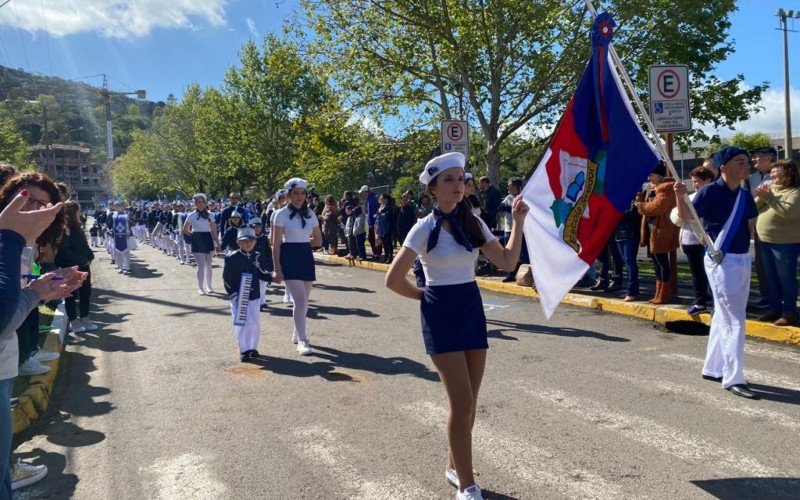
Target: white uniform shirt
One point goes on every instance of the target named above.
(508, 219)
(687, 236)
(199, 224)
(293, 230)
(448, 263)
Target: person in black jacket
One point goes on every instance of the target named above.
(245, 261)
(264, 255)
(73, 250)
(229, 235)
(626, 236)
(406, 218)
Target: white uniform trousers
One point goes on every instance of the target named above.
(730, 285)
(247, 335)
(122, 258)
(262, 287)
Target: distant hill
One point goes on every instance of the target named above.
(74, 111)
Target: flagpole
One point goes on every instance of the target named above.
(695, 222)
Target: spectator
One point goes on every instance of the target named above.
(330, 226)
(659, 234)
(692, 247)
(627, 236)
(74, 251)
(383, 224)
(356, 228)
(425, 206)
(469, 194)
(778, 226)
(370, 204)
(405, 218)
(763, 159)
(610, 252)
(225, 215)
(514, 188)
(490, 200)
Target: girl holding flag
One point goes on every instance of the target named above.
(453, 323)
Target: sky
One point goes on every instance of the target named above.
(164, 45)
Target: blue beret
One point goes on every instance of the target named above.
(725, 155)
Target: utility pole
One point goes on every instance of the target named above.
(783, 15)
(107, 94)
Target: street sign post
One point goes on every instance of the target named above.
(669, 98)
(455, 137)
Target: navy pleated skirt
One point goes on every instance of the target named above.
(202, 242)
(453, 318)
(297, 262)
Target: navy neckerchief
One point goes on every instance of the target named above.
(296, 211)
(458, 231)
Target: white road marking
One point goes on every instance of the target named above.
(723, 402)
(186, 476)
(492, 307)
(318, 444)
(653, 434)
(533, 465)
(776, 354)
(753, 376)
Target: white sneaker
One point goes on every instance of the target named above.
(77, 326)
(200, 291)
(471, 493)
(294, 338)
(23, 474)
(209, 290)
(452, 477)
(286, 299)
(45, 356)
(88, 324)
(303, 348)
(32, 367)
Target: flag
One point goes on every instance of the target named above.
(596, 162)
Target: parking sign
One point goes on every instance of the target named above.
(669, 98)
(455, 137)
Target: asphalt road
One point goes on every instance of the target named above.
(156, 404)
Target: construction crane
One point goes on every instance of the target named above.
(107, 94)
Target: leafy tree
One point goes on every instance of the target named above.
(511, 65)
(13, 148)
(740, 139)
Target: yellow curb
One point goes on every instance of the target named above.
(38, 394)
(657, 314)
(636, 310)
(27, 408)
(19, 420)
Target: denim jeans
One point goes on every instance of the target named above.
(6, 435)
(629, 250)
(780, 268)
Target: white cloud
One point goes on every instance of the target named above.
(112, 18)
(770, 120)
(251, 25)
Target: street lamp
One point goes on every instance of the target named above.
(783, 15)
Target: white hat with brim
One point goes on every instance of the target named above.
(246, 233)
(441, 163)
(198, 195)
(364, 189)
(295, 183)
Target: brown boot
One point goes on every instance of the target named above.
(665, 294)
(770, 315)
(788, 319)
(659, 285)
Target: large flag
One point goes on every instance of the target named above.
(597, 161)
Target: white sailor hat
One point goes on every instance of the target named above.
(199, 195)
(295, 183)
(441, 163)
(256, 220)
(236, 214)
(279, 193)
(364, 189)
(468, 176)
(246, 233)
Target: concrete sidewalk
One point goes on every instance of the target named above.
(612, 303)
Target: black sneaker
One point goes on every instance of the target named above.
(600, 285)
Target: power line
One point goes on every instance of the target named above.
(46, 37)
(21, 38)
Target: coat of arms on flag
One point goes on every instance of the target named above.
(596, 162)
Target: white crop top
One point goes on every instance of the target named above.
(293, 230)
(199, 224)
(448, 263)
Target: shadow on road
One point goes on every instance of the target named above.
(186, 308)
(773, 488)
(779, 395)
(551, 330)
(337, 288)
(498, 334)
(317, 311)
(57, 484)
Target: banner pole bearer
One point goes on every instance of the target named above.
(695, 222)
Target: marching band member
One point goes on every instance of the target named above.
(245, 261)
(295, 231)
(453, 322)
(280, 202)
(235, 222)
(728, 215)
(264, 256)
(203, 233)
(121, 230)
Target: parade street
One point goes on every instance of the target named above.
(156, 404)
